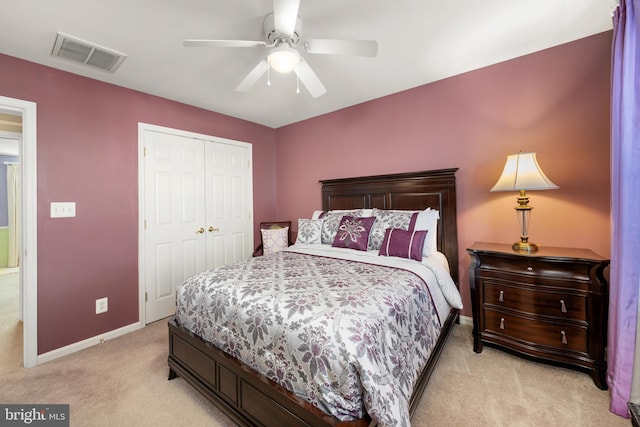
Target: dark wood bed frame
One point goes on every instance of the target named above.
(250, 398)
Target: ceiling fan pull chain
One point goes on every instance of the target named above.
(268, 75)
(297, 84)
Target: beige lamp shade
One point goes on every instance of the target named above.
(522, 172)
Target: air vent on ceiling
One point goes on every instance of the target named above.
(77, 50)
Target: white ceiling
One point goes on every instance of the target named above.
(420, 41)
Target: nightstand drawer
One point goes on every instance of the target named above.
(532, 300)
(532, 267)
(565, 337)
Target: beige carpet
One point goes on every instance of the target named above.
(123, 382)
(10, 327)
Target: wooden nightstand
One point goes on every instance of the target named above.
(634, 411)
(550, 305)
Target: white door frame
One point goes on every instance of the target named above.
(142, 127)
(29, 226)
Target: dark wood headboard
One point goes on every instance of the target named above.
(407, 191)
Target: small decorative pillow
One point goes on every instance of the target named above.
(403, 243)
(274, 239)
(353, 233)
(309, 231)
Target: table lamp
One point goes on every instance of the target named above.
(521, 173)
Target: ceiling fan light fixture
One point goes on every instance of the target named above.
(283, 59)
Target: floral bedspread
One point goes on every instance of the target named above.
(346, 336)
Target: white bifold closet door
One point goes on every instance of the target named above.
(198, 212)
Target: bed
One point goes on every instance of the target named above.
(273, 398)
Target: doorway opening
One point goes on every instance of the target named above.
(22, 251)
(11, 330)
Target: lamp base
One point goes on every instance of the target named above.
(525, 247)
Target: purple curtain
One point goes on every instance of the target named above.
(625, 182)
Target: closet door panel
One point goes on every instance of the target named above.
(228, 171)
(174, 213)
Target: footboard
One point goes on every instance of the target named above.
(243, 394)
(250, 398)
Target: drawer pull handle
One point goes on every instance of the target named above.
(563, 306)
(564, 337)
(501, 297)
(502, 323)
(529, 268)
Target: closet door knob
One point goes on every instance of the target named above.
(200, 230)
(212, 229)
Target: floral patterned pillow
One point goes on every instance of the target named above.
(403, 243)
(353, 233)
(389, 219)
(331, 221)
(274, 240)
(309, 231)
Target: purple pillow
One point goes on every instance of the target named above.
(403, 243)
(353, 232)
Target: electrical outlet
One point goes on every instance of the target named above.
(102, 305)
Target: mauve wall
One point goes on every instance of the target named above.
(554, 102)
(88, 153)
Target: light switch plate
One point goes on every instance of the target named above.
(63, 209)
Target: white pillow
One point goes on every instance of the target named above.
(274, 240)
(428, 220)
(309, 231)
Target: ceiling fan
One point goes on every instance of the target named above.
(282, 30)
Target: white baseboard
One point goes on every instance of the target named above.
(89, 342)
(466, 320)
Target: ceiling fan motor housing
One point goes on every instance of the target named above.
(274, 37)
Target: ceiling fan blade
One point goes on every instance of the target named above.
(309, 79)
(253, 76)
(342, 47)
(285, 15)
(222, 43)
